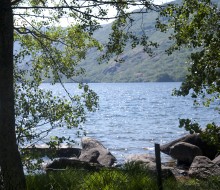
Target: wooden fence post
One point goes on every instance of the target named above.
(158, 166)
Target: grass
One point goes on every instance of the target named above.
(130, 177)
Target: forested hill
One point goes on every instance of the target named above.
(138, 66)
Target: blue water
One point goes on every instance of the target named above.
(134, 116)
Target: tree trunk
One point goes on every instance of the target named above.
(10, 161)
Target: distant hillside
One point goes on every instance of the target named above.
(138, 66)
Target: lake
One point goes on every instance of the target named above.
(134, 116)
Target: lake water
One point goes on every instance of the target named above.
(134, 116)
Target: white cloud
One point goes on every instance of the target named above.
(159, 2)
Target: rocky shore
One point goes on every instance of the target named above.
(193, 158)
(196, 156)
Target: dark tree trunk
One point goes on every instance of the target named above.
(10, 161)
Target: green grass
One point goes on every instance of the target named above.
(130, 177)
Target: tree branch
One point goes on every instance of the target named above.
(15, 2)
(98, 3)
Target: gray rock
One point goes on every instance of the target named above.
(194, 139)
(64, 163)
(46, 151)
(148, 162)
(165, 171)
(202, 168)
(217, 160)
(94, 151)
(184, 152)
(188, 138)
(90, 156)
(143, 158)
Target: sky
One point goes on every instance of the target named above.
(157, 2)
(161, 1)
(66, 21)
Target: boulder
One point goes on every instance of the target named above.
(202, 168)
(184, 152)
(165, 171)
(148, 162)
(46, 151)
(194, 139)
(90, 156)
(141, 158)
(188, 138)
(94, 151)
(217, 160)
(64, 163)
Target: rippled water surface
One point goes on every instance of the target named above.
(134, 116)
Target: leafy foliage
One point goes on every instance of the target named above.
(134, 64)
(122, 34)
(210, 134)
(195, 24)
(49, 52)
(35, 107)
